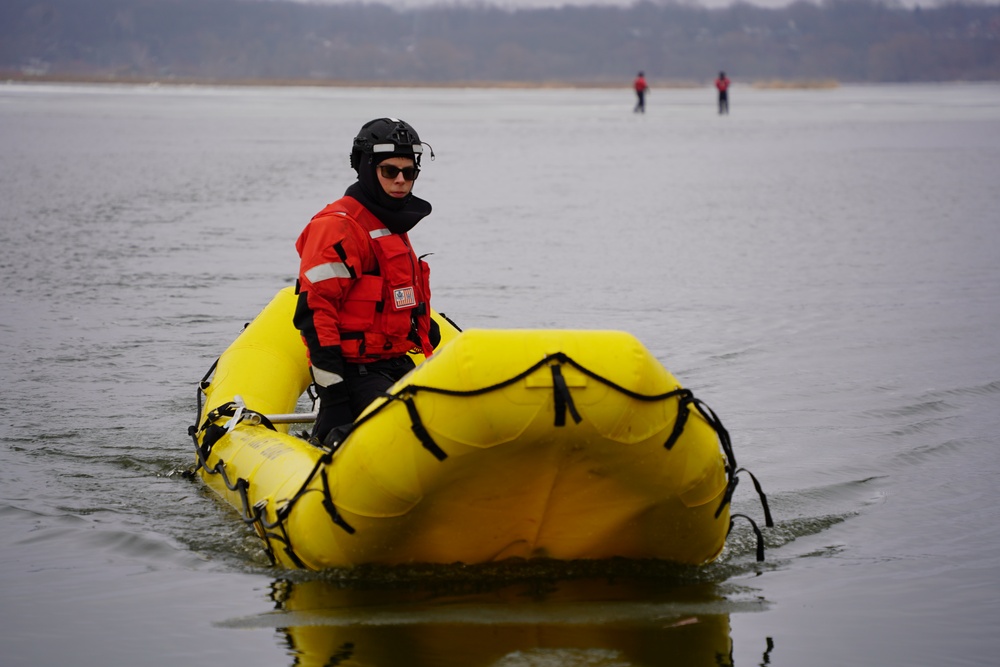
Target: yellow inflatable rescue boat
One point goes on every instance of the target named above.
(504, 444)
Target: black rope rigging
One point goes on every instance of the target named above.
(255, 515)
(562, 392)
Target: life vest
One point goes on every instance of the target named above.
(379, 309)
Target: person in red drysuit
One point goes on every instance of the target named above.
(641, 87)
(722, 83)
(363, 294)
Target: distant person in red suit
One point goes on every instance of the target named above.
(640, 92)
(722, 83)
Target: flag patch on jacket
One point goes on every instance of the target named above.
(404, 297)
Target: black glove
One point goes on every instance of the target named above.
(334, 411)
(338, 434)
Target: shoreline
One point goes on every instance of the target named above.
(21, 77)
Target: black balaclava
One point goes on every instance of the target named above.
(398, 215)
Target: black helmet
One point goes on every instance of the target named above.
(386, 137)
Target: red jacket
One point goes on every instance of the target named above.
(640, 84)
(364, 287)
(722, 85)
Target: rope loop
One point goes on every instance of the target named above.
(756, 530)
(733, 481)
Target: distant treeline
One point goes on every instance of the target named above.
(251, 40)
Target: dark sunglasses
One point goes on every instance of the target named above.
(391, 171)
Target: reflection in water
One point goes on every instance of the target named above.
(766, 659)
(591, 621)
(692, 642)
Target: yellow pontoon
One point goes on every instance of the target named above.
(505, 443)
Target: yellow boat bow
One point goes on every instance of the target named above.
(504, 444)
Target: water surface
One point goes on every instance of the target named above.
(820, 267)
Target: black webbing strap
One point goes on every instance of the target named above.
(756, 530)
(720, 430)
(763, 497)
(419, 430)
(331, 509)
(684, 400)
(286, 509)
(450, 321)
(262, 532)
(563, 399)
(289, 550)
(202, 386)
(212, 432)
(733, 481)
